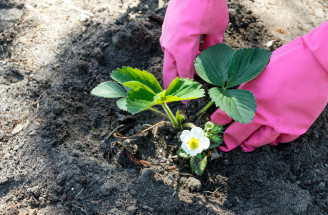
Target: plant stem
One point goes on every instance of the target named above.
(188, 125)
(202, 111)
(157, 111)
(170, 114)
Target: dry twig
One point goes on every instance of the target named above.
(80, 209)
(118, 135)
(135, 160)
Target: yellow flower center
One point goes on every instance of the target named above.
(193, 143)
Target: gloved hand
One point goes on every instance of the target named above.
(290, 94)
(184, 24)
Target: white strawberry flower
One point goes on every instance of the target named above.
(194, 141)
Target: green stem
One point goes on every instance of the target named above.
(157, 111)
(202, 111)
(170, 114)
(188, 125)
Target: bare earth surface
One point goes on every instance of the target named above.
(55, 157)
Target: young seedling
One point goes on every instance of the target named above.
(226, 68)
(141, 91)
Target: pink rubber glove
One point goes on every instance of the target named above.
(184, 24)
(290, 93)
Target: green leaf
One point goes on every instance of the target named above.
(216, 139)
(181, 153)
(137, 84)
(208, 126)
(238, 104)
(222, 66)
(109, 89)
(140, 99)
(214, 145)
(198, 165)
(246, 64)
(182, 89)
(127, 74)
(217, 129)
(212, 64)
(121, 103)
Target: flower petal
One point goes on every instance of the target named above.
(195, 152)
(204, 143)
(197, 132)
(185, 136)
(185, 147)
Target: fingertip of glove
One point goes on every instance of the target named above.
(220, 117)
(225, 148)
(244, 147)
(247, 148)
(275, 143)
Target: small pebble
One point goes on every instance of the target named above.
(318, 171)
(269, 44)
(215, 154)
(146, 174)
(132, 210)
(194, 184)
(56, 108)
(307, 182)
(107, 189)
(76, 153)
(183, 180)
(12, 211)
(84, 18)
(83, 180)
(114, 211)
(61, 178)
(4, 62)
(321, 186)
(169, 180)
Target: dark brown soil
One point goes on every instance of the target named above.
(57, 158)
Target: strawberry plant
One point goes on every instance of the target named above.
(218, 65)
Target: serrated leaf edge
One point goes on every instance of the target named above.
(223, 108)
